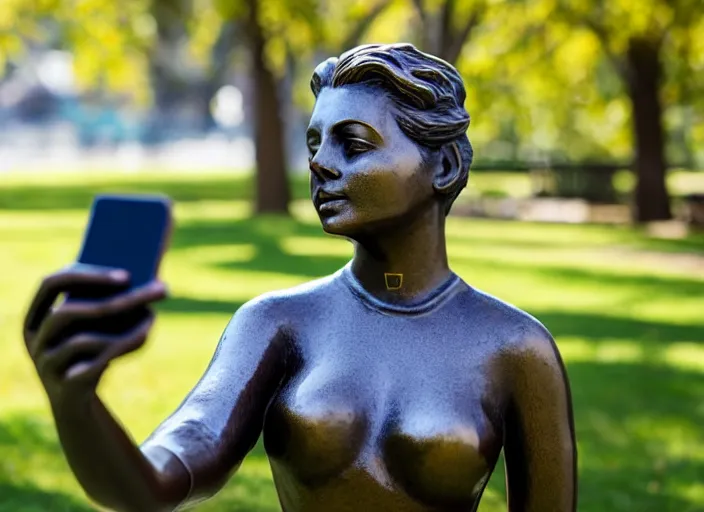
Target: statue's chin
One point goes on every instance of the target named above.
(335, 227)
(354, 229)
(355, 224)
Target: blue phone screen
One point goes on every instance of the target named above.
(129, 233)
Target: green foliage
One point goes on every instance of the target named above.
(545, 78)
(554, 71)
(108, 39)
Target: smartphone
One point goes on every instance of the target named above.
(127, 232)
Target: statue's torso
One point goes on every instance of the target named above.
(388, 410)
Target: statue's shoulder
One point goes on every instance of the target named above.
(282, 303)
(517, 328)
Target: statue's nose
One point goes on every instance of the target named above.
(324, 172)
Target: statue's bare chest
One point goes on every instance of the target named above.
(407, 401)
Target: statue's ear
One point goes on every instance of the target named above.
(449, 168)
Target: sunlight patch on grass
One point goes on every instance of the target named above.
(629, 334)
(669, 437)
(693, 492)
(316, 246)
(688, 356)
(625, 262)
(213, 254)
(213, 282)
(605, 351)
(535, 234)
(16, 223)
(210, 210)
(682, 309)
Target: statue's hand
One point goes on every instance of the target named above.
(73, 342)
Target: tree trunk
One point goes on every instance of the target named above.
(442, 33)
(644, 75)
(168, 89)
(272, 191)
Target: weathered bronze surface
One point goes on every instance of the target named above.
(391, 385)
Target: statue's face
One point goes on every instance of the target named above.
(366, 174)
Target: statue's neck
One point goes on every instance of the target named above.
(406, 262)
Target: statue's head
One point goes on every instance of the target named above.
(387, 138)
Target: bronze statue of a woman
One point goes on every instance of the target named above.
(391, 385)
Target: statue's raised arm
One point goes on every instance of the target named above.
(390, 385)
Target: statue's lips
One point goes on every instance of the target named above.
(328, 199)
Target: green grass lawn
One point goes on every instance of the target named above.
(627, 312)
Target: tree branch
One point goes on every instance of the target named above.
(600, 33)
(462, 35)
(221, 52)
(420, 8)
(363, 24)
(603, 38)
(447, 29)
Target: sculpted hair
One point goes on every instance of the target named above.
(428, 92)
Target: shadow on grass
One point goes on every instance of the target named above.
(630, 421)
(646, 284)
(627, 418)
(694, 243)
(27, 498)
(30, 450)
(250, 489)
(28, 447)
(185, 189)
(186, 305)
(594, 327)
(264, 233)
(80, 196)
(630, 417)
(627, 415)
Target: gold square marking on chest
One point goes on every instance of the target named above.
(393, 281)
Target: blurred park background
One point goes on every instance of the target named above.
(585, 205)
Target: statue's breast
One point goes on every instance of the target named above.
(436, 457)
(330, 425)
(316, 427)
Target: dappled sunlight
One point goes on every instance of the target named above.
(632, 433)
(540, 235)
(535, 290)
(630, 333)
(311, 246)
(32, 468)
(212, 255)
(610, 260)
(210, 210)
(606, 351)
(688, 356)
(693, 492)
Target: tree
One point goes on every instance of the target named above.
(170, 82)
(446, 26)
(108, 40)
(278, 35)
(140, 47)
(638, 40)
(571, 79)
